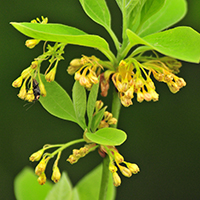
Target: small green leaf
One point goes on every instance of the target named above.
(61, 190)
(180, 42)
(107, 136)
(27, 187)
(88, 187)
(65, 34)
(57, 102)
(98, 11)
(169, 14)
(91, 102)
(79, 101)
(96, 119)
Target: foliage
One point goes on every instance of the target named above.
(146, 50)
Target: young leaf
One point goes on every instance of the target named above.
(91, 102)
(150, 8)
(27, 187)
(181, 43)
(65, 34)
(96, 119)
(57, 102)
(61, 190)
(88, 187)
(107, 136)
(98, 11)
(79, 101)
(169, 14)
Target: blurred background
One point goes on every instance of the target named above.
(163, 137)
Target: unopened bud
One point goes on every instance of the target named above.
(34, 64)
(56, 175)
(125, 171)
(42, 89)
(22, 92)
(98, 105)
(36, 156)
(42, 179)
(112, 121)
(118, 157)
(107, 115)
(31, 43)
(50, 76)
(26, 72)
(133, 167)
(40, 168)
(18, 82)
(116, 179)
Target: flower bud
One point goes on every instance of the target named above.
(22, 92)
(56, 175)
(26, 73)
(30, 96)
(112, 121)
(40, 168)
(36, 156)
(125, 171)
(103, 124)
(31, 43)
(116, 179)
(133, 167)
(118, 157)
(107, 115)
(112, 167)
(42, 89)
(42, 179)
(18, 82)
(98, 105)
(51, 75)
(34, 64)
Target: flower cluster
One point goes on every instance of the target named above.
(134, 77)
(82, 152)
(41, 167)
(108, 119)
(31, 89)
(117, 162)
(86, 69)
(34, 89)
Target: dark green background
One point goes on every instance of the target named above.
(163, 137)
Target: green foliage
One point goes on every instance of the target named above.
(162, 19)
(107, 136)
(181, 43)
(91, 103)
(62, 190)
(27, 187)
(79, 101)
(65, 34)
(58, 102)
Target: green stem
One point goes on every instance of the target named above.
(116, 105)
(64, 146)
(104, 179)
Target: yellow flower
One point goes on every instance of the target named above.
(56, 174)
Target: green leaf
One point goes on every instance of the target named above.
(96, 119)
(79, 101)
(61, 190)
(180, 42)
(57, 102)
(91, 102)
(27, 187)
(150, 8)
(65, 34)
(107, 136)
(88, 187)
(98, 11)
(168, 15)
